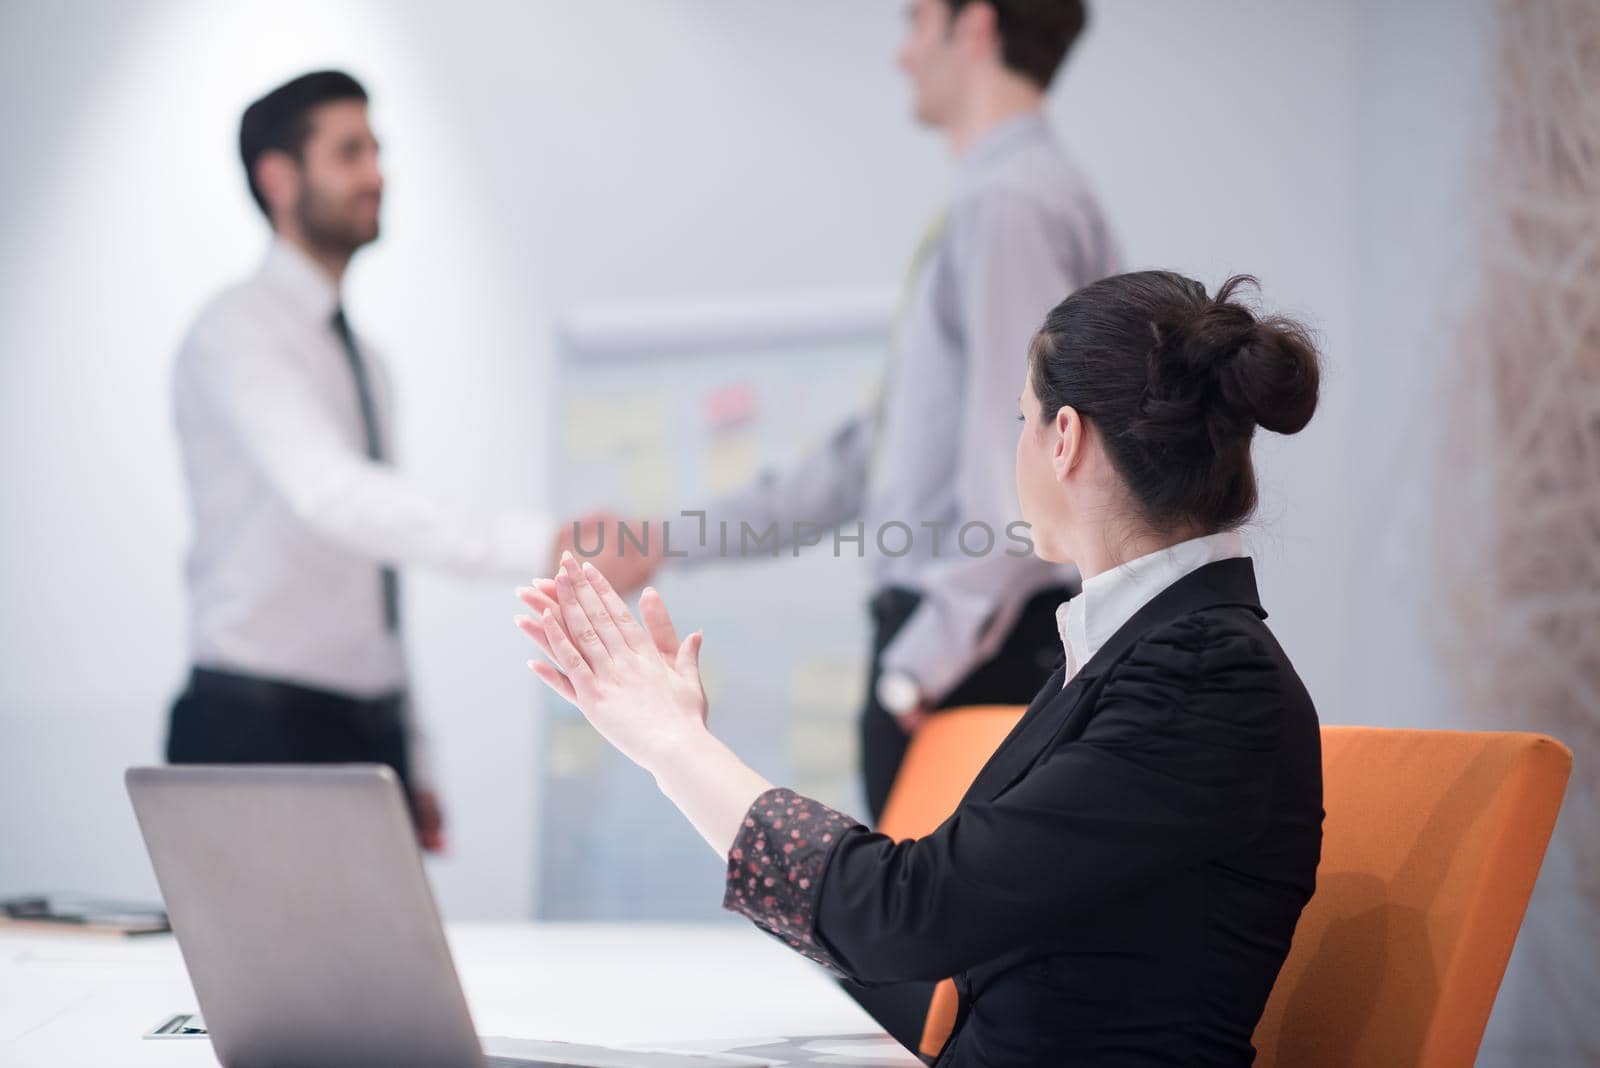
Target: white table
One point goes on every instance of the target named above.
(69, 1000)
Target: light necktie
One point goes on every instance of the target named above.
(908, 288)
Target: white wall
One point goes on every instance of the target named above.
(1424, 115)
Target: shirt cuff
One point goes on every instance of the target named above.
(939, 648)
(775, 869)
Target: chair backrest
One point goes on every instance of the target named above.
(944, 756)
(1431, 845)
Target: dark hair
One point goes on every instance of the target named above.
(1176, 382)
(1035, 35)
(281, 120)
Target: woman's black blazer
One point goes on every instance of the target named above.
(1120, 884)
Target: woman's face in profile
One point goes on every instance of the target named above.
(1039, 488)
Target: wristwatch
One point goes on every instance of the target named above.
(898, 692)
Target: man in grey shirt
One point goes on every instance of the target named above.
(963, 612)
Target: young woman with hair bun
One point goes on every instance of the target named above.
(1121, 882)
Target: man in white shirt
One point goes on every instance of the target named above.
(285, 419)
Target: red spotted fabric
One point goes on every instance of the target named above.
(775, 868)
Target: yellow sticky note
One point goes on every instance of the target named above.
(731, 461)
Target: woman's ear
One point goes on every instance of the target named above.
(1069, 442)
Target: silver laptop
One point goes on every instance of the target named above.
(304, 917)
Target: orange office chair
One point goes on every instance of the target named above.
(1430, 848)
(944, 756)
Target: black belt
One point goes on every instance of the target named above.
(894, 601)
(255, 691)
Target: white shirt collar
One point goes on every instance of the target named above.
(297, 276)
(1110, 598)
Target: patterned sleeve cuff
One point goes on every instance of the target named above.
(775, 868)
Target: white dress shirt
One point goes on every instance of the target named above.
(292, 521)
(1110, 598)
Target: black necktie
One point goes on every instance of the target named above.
(369, 422)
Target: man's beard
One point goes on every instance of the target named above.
(326, 228)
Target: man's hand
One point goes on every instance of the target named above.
(620, 559)
(428, 816)
(911, 719)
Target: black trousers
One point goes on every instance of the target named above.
(1012, 676)
(225, 718)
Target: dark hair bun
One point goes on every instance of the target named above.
(1176, 383)
(1216, 371)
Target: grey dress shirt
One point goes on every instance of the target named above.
(1021, 233)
